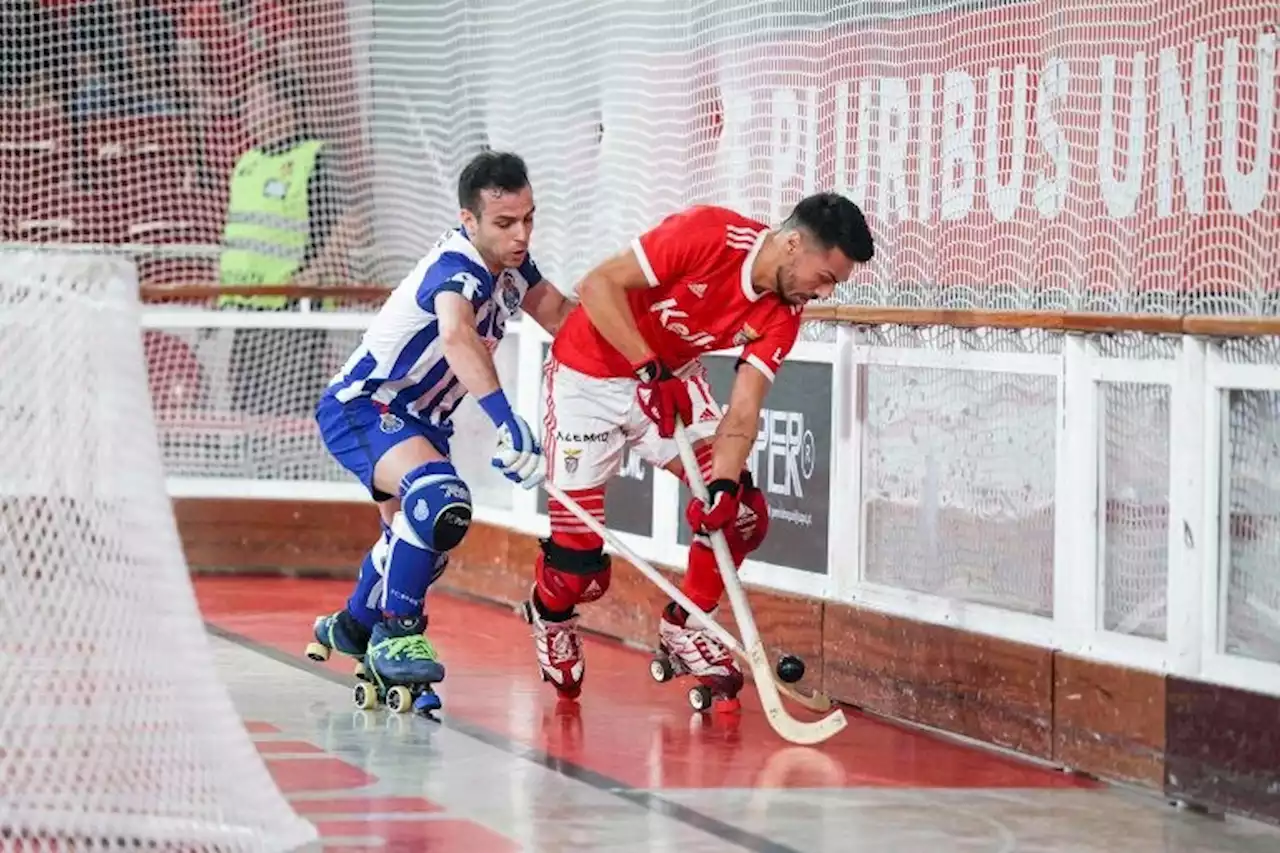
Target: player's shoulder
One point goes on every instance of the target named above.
(453, 253)
(717, 219)
(452, 258)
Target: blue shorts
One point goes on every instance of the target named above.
(360, 432)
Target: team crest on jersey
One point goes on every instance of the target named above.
(571, 459)
(745, 336)
(390, 423)
(510, 294)
(698, 289)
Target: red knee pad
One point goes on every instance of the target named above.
(567, 575)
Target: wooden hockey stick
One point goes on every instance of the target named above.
(787, 726)
(819, 702)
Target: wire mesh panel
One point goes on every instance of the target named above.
(959, 470)
(1134, 510)
(1250, 509)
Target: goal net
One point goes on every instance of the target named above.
(115, 729)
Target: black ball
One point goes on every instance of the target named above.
(790, 669)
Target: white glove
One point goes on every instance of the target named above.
(519, 455)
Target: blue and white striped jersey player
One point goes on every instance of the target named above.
(386, 417)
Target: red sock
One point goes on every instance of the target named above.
(702, 581)
(559, 592)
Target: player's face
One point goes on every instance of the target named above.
(505, 226)
(811, 272)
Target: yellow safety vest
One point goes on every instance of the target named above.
(268, 222)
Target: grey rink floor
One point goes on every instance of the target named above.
(371, 780)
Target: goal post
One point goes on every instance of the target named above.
(115, 726)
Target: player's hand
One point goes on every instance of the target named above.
(753, 525)
(662, 396)
(720, 510)
(519, 455)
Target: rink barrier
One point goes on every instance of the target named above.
(1177, 713)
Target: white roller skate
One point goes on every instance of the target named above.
(686, 649)
(559, 650)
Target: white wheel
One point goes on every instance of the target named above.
(399, 699)
(661, 670)
(700, 697)
(317, 652)
(366, 697)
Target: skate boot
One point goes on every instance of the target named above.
(688, 649)
(343, 633)
(559, 650)
(401, 667)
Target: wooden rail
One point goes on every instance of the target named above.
(1207, 325)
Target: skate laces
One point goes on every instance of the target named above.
(413, 647)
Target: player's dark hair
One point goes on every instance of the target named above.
(835, 222)
(490, 170)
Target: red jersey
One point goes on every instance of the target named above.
(700, 299)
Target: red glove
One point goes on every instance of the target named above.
(719, 512)
(751, 531)
(662, 396)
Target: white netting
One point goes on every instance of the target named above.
(959, 471)
(1119, 156)
(115, 729)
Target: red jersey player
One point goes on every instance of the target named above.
(625, 364)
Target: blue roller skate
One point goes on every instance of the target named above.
(341, 632)
(400, 668)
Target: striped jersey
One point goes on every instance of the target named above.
(400, 362)
(700, 299)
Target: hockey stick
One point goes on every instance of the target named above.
(819, 702)
(787, 726)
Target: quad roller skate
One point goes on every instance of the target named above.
(688, 650)
(559, 649)
(340, 632)
(400, 669)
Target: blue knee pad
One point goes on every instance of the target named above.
(436, 504)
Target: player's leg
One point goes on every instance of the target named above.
(690, 648)
(583, 443)
(432, 517)
(400, 463)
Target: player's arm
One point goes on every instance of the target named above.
(680, 245)
(463, 349)
(543, 301)
(740, 424)
(603, 294)
(519, 455)
(730, 485)
(547, 306)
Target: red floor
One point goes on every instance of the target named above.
(627, 727)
